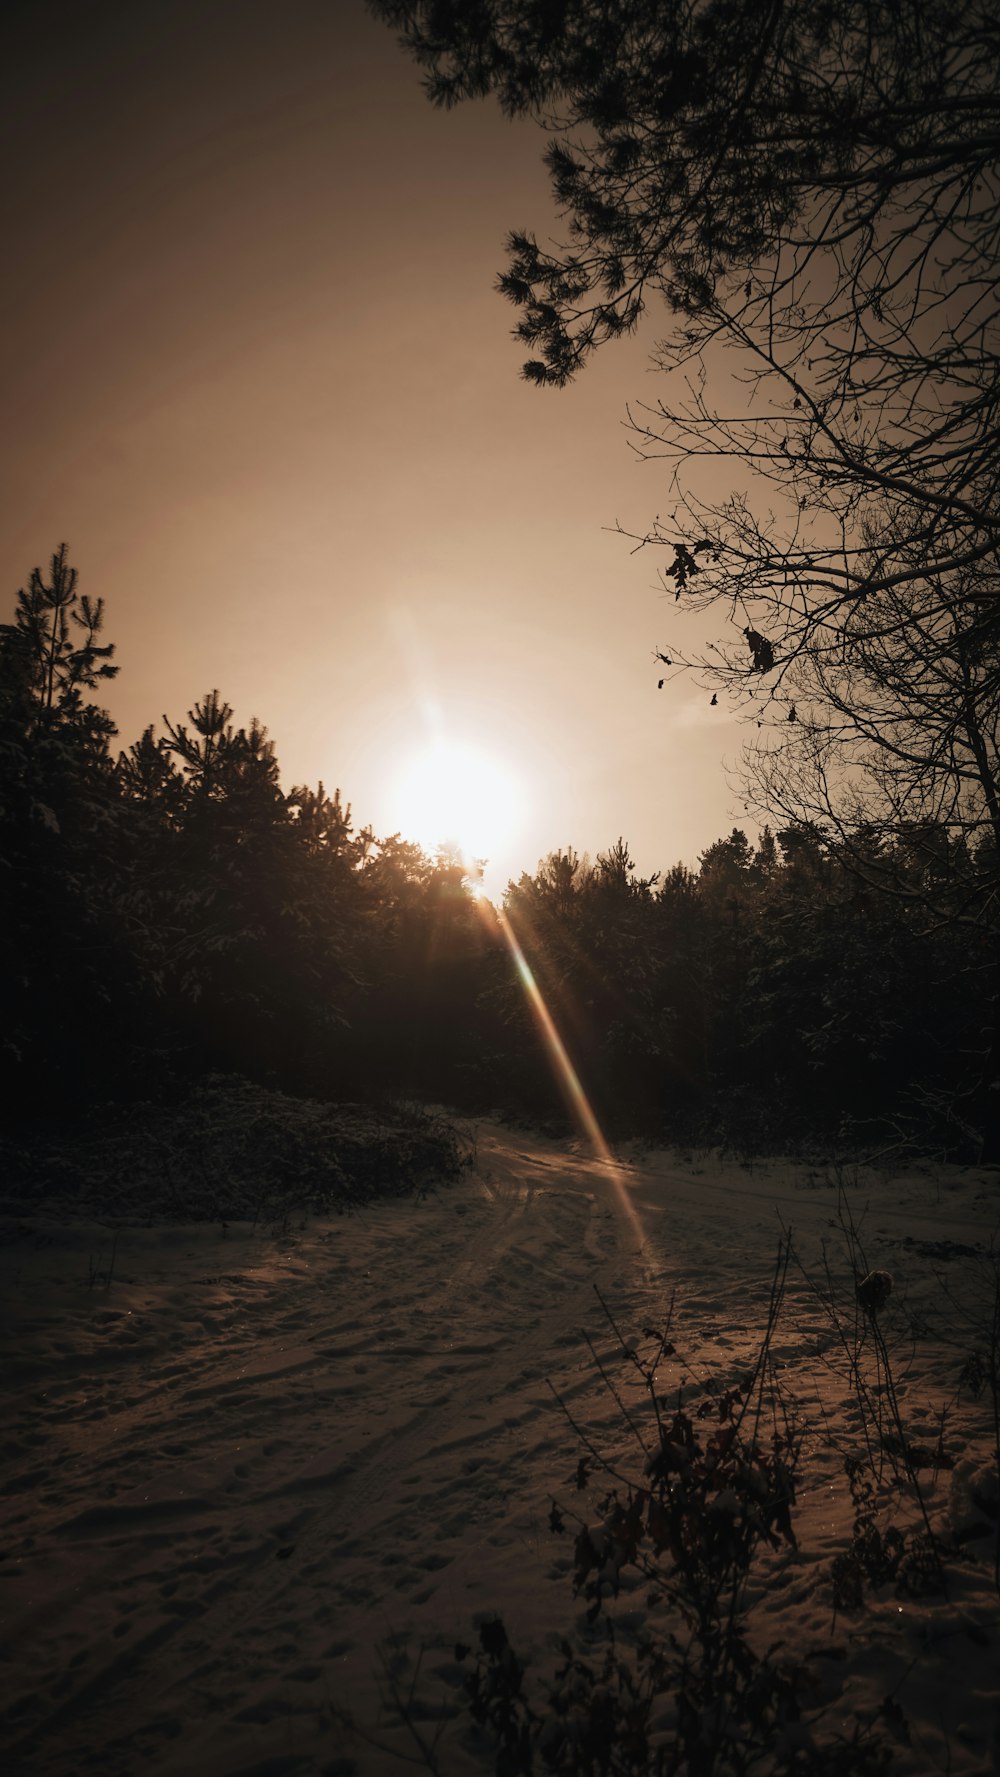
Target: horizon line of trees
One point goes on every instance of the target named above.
(169, 911)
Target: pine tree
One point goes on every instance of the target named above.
(58, 839)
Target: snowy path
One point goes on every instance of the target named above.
(255, 1459)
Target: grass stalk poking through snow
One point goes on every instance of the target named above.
(873, 1556)
(691, 1694)
(100, 1273)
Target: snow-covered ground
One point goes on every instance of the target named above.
(261, 1477)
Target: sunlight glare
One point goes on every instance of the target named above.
(452, 793)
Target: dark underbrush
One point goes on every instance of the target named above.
(232, 1150)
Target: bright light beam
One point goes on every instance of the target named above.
(566, 1073)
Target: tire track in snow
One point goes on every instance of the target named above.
(232, 1476)
(461, 1316)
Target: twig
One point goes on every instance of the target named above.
(623, 1410)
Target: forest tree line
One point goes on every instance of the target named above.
(171, 911)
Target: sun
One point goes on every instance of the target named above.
(454, 793)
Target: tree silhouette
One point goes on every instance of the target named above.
(54, 637)
(177, 913)
(815, 189)
(59, 949)
(813, 193)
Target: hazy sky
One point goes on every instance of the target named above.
(256, 374)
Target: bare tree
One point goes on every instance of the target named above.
(815, 187)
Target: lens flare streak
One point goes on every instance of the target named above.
(567, 1075)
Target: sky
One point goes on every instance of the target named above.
(257, 376)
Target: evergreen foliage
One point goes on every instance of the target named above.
(173, 913)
